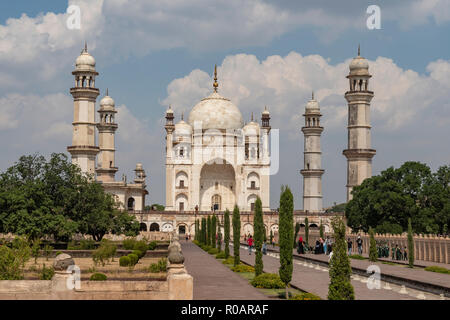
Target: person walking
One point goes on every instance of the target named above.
(250, 244)
(300, 245)
(349, 246)
(264, 248)
(325, 246)
(359, 243)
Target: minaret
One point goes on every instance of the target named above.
(170, 127)
(107, 127)
(83, 148)
(312, 171)
(358, 153)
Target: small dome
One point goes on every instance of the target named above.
(216, 112)
(312, 105)
(251, 128)
(266, 111)
(182, 127)
(139, 166)
(359, 66)
(107, 103)
(85, 62)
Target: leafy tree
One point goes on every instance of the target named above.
(271, 236)
(12, 260)
(258, 237)
(410, 245)
(203, 231)
(236, 235)
(385, 202)
(286, 234)
(35, 248)
(213, 230)
(337, 207)
(155, 206)
(340, 287)
(226, 227)
(53, 198)
(297, 229)
(373, 253)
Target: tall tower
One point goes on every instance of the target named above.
(83, 148)
(358, 153)
(312, 171)
(107, 127)
(170, 128)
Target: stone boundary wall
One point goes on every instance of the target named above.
(431, 248)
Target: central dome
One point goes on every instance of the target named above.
(216, 112)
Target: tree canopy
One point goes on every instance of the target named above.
(40, 198)
(386, 201)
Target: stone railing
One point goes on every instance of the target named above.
(66, 284)
(432, 248)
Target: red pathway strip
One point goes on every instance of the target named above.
(213, 280)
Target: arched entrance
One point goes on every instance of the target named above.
(154, 227)
(182, 229)
(217, 186)
(142, 227)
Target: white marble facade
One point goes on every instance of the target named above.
(214, 160)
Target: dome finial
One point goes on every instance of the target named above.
(312, 95)
(252, 115)
(359, 50)
(182, 115)
(215, 85)
(107, 91)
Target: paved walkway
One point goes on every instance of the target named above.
(213, 280)
(416, 274)
(315, 279)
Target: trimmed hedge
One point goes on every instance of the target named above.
(98, 277)
(220, 255)
(161, 266)
(152, 245)
(124, 261)
(268, 281)
(305, 296)
(357, 256)
(243, 268)
(142, 247)
(213, 251)
(230, 260)
(438, 269)
(133, 259)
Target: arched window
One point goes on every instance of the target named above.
(142, 227)
(154, 227)
(216, 202)
(131, 203)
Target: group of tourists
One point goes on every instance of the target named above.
(321, 247)
(359, 243)
(399, 253)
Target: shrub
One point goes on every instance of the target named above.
(213, 251)
(161, 266)
(305, 296)
(98, 277)
(373, 253)
(106, 251)
(88, 244)
(47, 251)
(141, 246)
(133, 259)
(10, 264)
(268, 281)
(243, 268)
(138, 253)
(152, 245)
(58, 253)
(47, 273)
(229, 260)
(71, 245)
(36, 247)
(124, 261)
(128, 244)
(194, 241)
(438, 269)
(221, 255)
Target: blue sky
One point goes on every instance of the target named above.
(143, 48)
